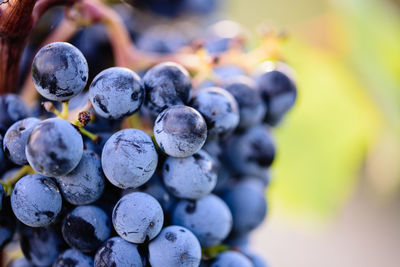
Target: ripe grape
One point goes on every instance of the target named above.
(15, 140)
(209, 218)
(54, 147)
(85, 184)
(180, 131)
(166, 84)
(220, 110)
(137, 217)
(116, 93)
(59, 71)
(86, 227)
(175, 246)
(201, 180)
(36, 200)
(12, 109)
(129, 158)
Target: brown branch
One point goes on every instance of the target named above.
(17, 19)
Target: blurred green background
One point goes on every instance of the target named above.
(334, 199)
(346, 124)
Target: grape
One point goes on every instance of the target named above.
(41, 246)
(201, 180)
(36, 200)
(278, 90)
(180, 131)
(54, 147)
(116, 252)
(59, 71)
(138, 217)
(220, 110)
(116, 93)
(231, 259)
(15, 140)
(12, 109)
(73, 258)
(129, 158)
(247, 204)
(252, 152)
(86, 227)
(166, 84)
(222, 34)
(85, 184)
(209, 218)
(175, 246)
(251, 107)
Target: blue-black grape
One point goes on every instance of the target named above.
(255, 259)
(86, 227)
(175, 246)
(209, 218)
(138, 217)
(85, 184)
(231, 259)
(15, 140)
(12, 109)
(54, 147)
(129, 158)
(59, 71)
(252, 152)
(41, 245)
(180, 131)
(166, 84)
(247, 204)
(36, 200)
(220, 110)
(191, 177)
(251, 107)
(278, 90)
(116, 252)
(73, 258)
(116, 93)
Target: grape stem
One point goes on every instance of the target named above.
(8, 183)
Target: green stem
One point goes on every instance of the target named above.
(9, 183)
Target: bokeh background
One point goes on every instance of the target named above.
(334, 199)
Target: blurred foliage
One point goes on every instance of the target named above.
(347, 57)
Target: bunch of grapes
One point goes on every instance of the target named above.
(162, 167)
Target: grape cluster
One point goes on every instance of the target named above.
(173, 175)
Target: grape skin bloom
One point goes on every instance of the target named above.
(84, 184)
(36, 200)
(116, 93)
(180, 131)
(59, 71)
(16, 138)
(54, 147)
(192, 177)
(129, 158)
(175, 246)
(137, 217)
